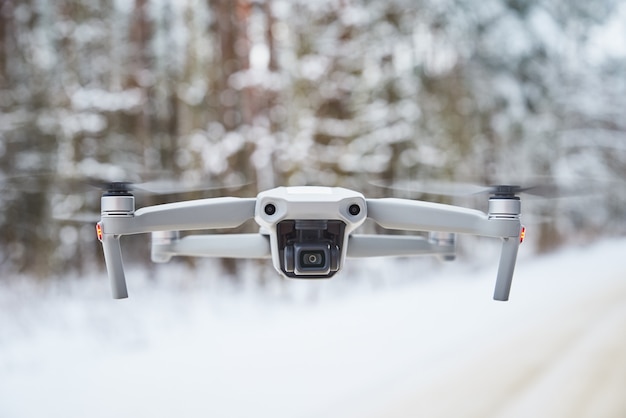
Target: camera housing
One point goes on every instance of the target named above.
(310, 247)
(309, 228)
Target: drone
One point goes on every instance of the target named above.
(307, 231)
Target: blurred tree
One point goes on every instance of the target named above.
(296, 92)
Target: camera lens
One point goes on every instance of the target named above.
(312, 258)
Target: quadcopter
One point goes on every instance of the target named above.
(307, 231)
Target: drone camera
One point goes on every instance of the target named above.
(309, 227)
(310, 248)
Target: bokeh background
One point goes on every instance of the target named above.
(271, 92)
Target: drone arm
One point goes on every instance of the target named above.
(213, 245)
(226, 212)
(425, 216)
(223, 212)
(412, 215)
(360, 246)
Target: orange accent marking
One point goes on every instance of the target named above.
(99, 231)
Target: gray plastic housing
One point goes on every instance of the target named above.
(308, 204)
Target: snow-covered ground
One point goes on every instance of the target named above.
(362, 344)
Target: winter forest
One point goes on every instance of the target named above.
(263, 93)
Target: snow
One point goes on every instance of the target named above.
(606, 41)
(191, 344)
(105, 101)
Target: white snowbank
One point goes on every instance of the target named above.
(198, 347)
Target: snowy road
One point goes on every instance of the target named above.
(571, 364)
(438, 347)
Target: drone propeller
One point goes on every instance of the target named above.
(113, 187)
(159, 187)
(62, 188)
(78, 218)
(127, 188)
(39, 182)
(540, 189)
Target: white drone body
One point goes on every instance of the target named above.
(307, 231)
(309, 227)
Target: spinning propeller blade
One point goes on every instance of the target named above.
(44, 182)
(545, 189)
(59, 185)
(80, 217)
(157, 187)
